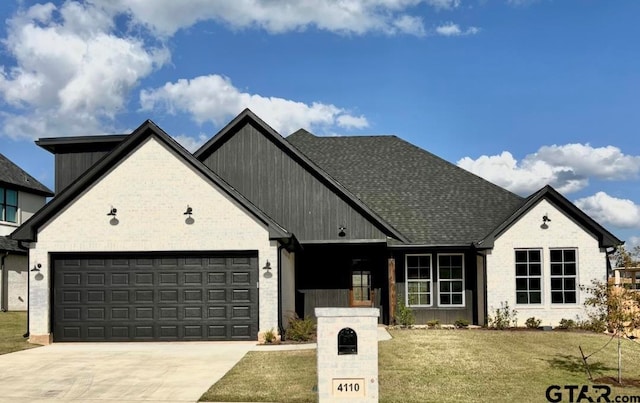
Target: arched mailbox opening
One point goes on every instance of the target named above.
(347, 341)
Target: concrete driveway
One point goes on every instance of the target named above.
(117, 372)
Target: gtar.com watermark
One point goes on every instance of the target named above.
(585, 393)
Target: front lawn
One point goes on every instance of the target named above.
(12, 326)
(444, 366)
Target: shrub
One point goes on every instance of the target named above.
(532, 323)
(503, 317)
(592, 325)
(567, 324)
(461, 323)
(404, 315)
(433, 323)
(300, 329)
(270, 336)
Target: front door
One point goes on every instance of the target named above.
(361, 293)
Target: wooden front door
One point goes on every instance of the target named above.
(361, 293)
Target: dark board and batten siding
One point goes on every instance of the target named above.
(284, 189)
(70, 166)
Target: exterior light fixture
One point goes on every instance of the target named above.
(112, 213)
(545, 220)
(188, 213)
(267, 269)
(37, 267)
(341, 231)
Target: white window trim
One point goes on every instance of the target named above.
(406, 281)
(440, 280)
(577, 282)
(542, 279)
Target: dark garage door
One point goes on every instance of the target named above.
(143, 297)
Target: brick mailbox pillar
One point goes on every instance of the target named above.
(347, 354)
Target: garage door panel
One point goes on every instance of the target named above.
(166, 298)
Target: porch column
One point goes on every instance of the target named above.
(392, 290)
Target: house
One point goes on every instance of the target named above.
(21, 195)
(146, 241)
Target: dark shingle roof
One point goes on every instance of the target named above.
(9, 245)
(14, 176)
(429, 200)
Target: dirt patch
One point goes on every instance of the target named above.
(611, 380)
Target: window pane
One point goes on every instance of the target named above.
(556, 269)
(425, 299)
(457, 299)
(413, 299)
(569, 284)
(534, 284)
(521, 269)
(11, 214)
(569, 255)
(556, 284)
(521, 284)
(535, 297)
(413, 273)
(521, 298)
(445, 272)
(570, 297)
(445, 286)
(457, 273)
(412, 287)
(556, 255)
(357, 294)
(535, 269)
(521, 256)
(456, 286)
(1, 195)
(570, 269)
(12, 198)
(356, 279)
(445, 299)
(534, 256)
(556, 297)
(425, 273)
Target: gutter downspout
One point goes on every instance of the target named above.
(5, 286)
(26, 335)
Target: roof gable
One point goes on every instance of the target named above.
(28, 231)
(14, 176)
(605, 238)
(258, 148)
(432, 201)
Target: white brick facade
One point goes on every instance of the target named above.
(16, 282)
(151, 189)
(562, 232)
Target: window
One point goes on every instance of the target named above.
(361, 294)
(418, 280)
(8, 205)
(529, 276)
(451, 277)
(563, 276)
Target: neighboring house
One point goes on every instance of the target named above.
(21, 196)
(145, 241)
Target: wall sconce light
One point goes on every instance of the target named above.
(112, 213)
(188, 213)
(545, 220)
(341, 231)
(37, 267)
(267, 268)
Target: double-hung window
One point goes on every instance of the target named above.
(418, 280)
(8, 205)
(564, 269)
(451, 280)
(529, 276)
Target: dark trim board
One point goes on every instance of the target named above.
(164, 296)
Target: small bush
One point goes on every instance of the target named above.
(270, 336)
(532, 323)
(592, 325)
(567, 324)
(433, 323)
(404, 315)
(461, 323)
(300, 329)
(503, 317)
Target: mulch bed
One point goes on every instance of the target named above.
(611, 380)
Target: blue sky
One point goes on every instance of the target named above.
(522, 92)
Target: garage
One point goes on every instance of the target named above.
(155, 297)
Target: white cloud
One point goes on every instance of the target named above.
(213, 98)
(165, 17)
(567, 167)
(632, 242)
(71, 75)
(621, 213)
(191, 143)
(451, 29)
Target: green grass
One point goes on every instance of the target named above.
(444, 366)
(12, 327)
